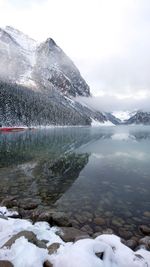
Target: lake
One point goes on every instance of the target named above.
(99, 176)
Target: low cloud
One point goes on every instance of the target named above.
(112, 103)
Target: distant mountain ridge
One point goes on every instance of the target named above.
(140, 117)
(37, 83)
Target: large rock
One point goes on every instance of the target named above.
(53, 248)
(106, 231)
(70, 234)
(145, 241)
(6, 264)
(131, 243)
(144, 229)
(147, 214)
(47, 264)
(52, 217)
(60, 219)
(30, 236)
(9, 202)
(25, 214)
(29, 203)
(124, 233)
(99, 221)
(87, 228)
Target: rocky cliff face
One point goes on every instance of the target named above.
(53, 67)
(38, 82)
(26, 62)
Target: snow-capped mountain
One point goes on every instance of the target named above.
(55, 68)
(140, 117)
(38, 82)
(123, 116)
(14, 63)
(33, 64)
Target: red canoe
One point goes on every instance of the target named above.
(11, 129)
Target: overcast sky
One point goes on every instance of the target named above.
(109, 41)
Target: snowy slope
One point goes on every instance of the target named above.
(28, 48)
(140, 117)
(39, 64)
(23, 40)
(123, 115)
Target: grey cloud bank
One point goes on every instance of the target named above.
(111, 103)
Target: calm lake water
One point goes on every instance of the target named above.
(99, 176)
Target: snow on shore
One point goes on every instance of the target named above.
(79, 254)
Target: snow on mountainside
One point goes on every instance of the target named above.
(134, 117)
(123, 115)
(23, 40)
(55, 68)
(14, 62)
(28, 49)
(51, 74)
(36, 64)
(140, 117)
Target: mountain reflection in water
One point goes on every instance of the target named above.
(99, 176)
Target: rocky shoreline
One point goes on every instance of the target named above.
(32, 211)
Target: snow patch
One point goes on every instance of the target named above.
(4, 211)
(24, 254)
(96, 123)
(123, 115)
(28, 47)
(22, 39)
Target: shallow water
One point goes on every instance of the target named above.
(100, 176)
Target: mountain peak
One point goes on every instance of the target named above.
(51, 42)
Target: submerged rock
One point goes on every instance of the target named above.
(131, 243)
(144, 229)
(108, 231)
(52, 217)
(29, 203)
(9, 202)
(86, 228)
(70, 234)
(147, 213)
(60, 219)
(99, 221)
(145, 241)
(124, 233)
